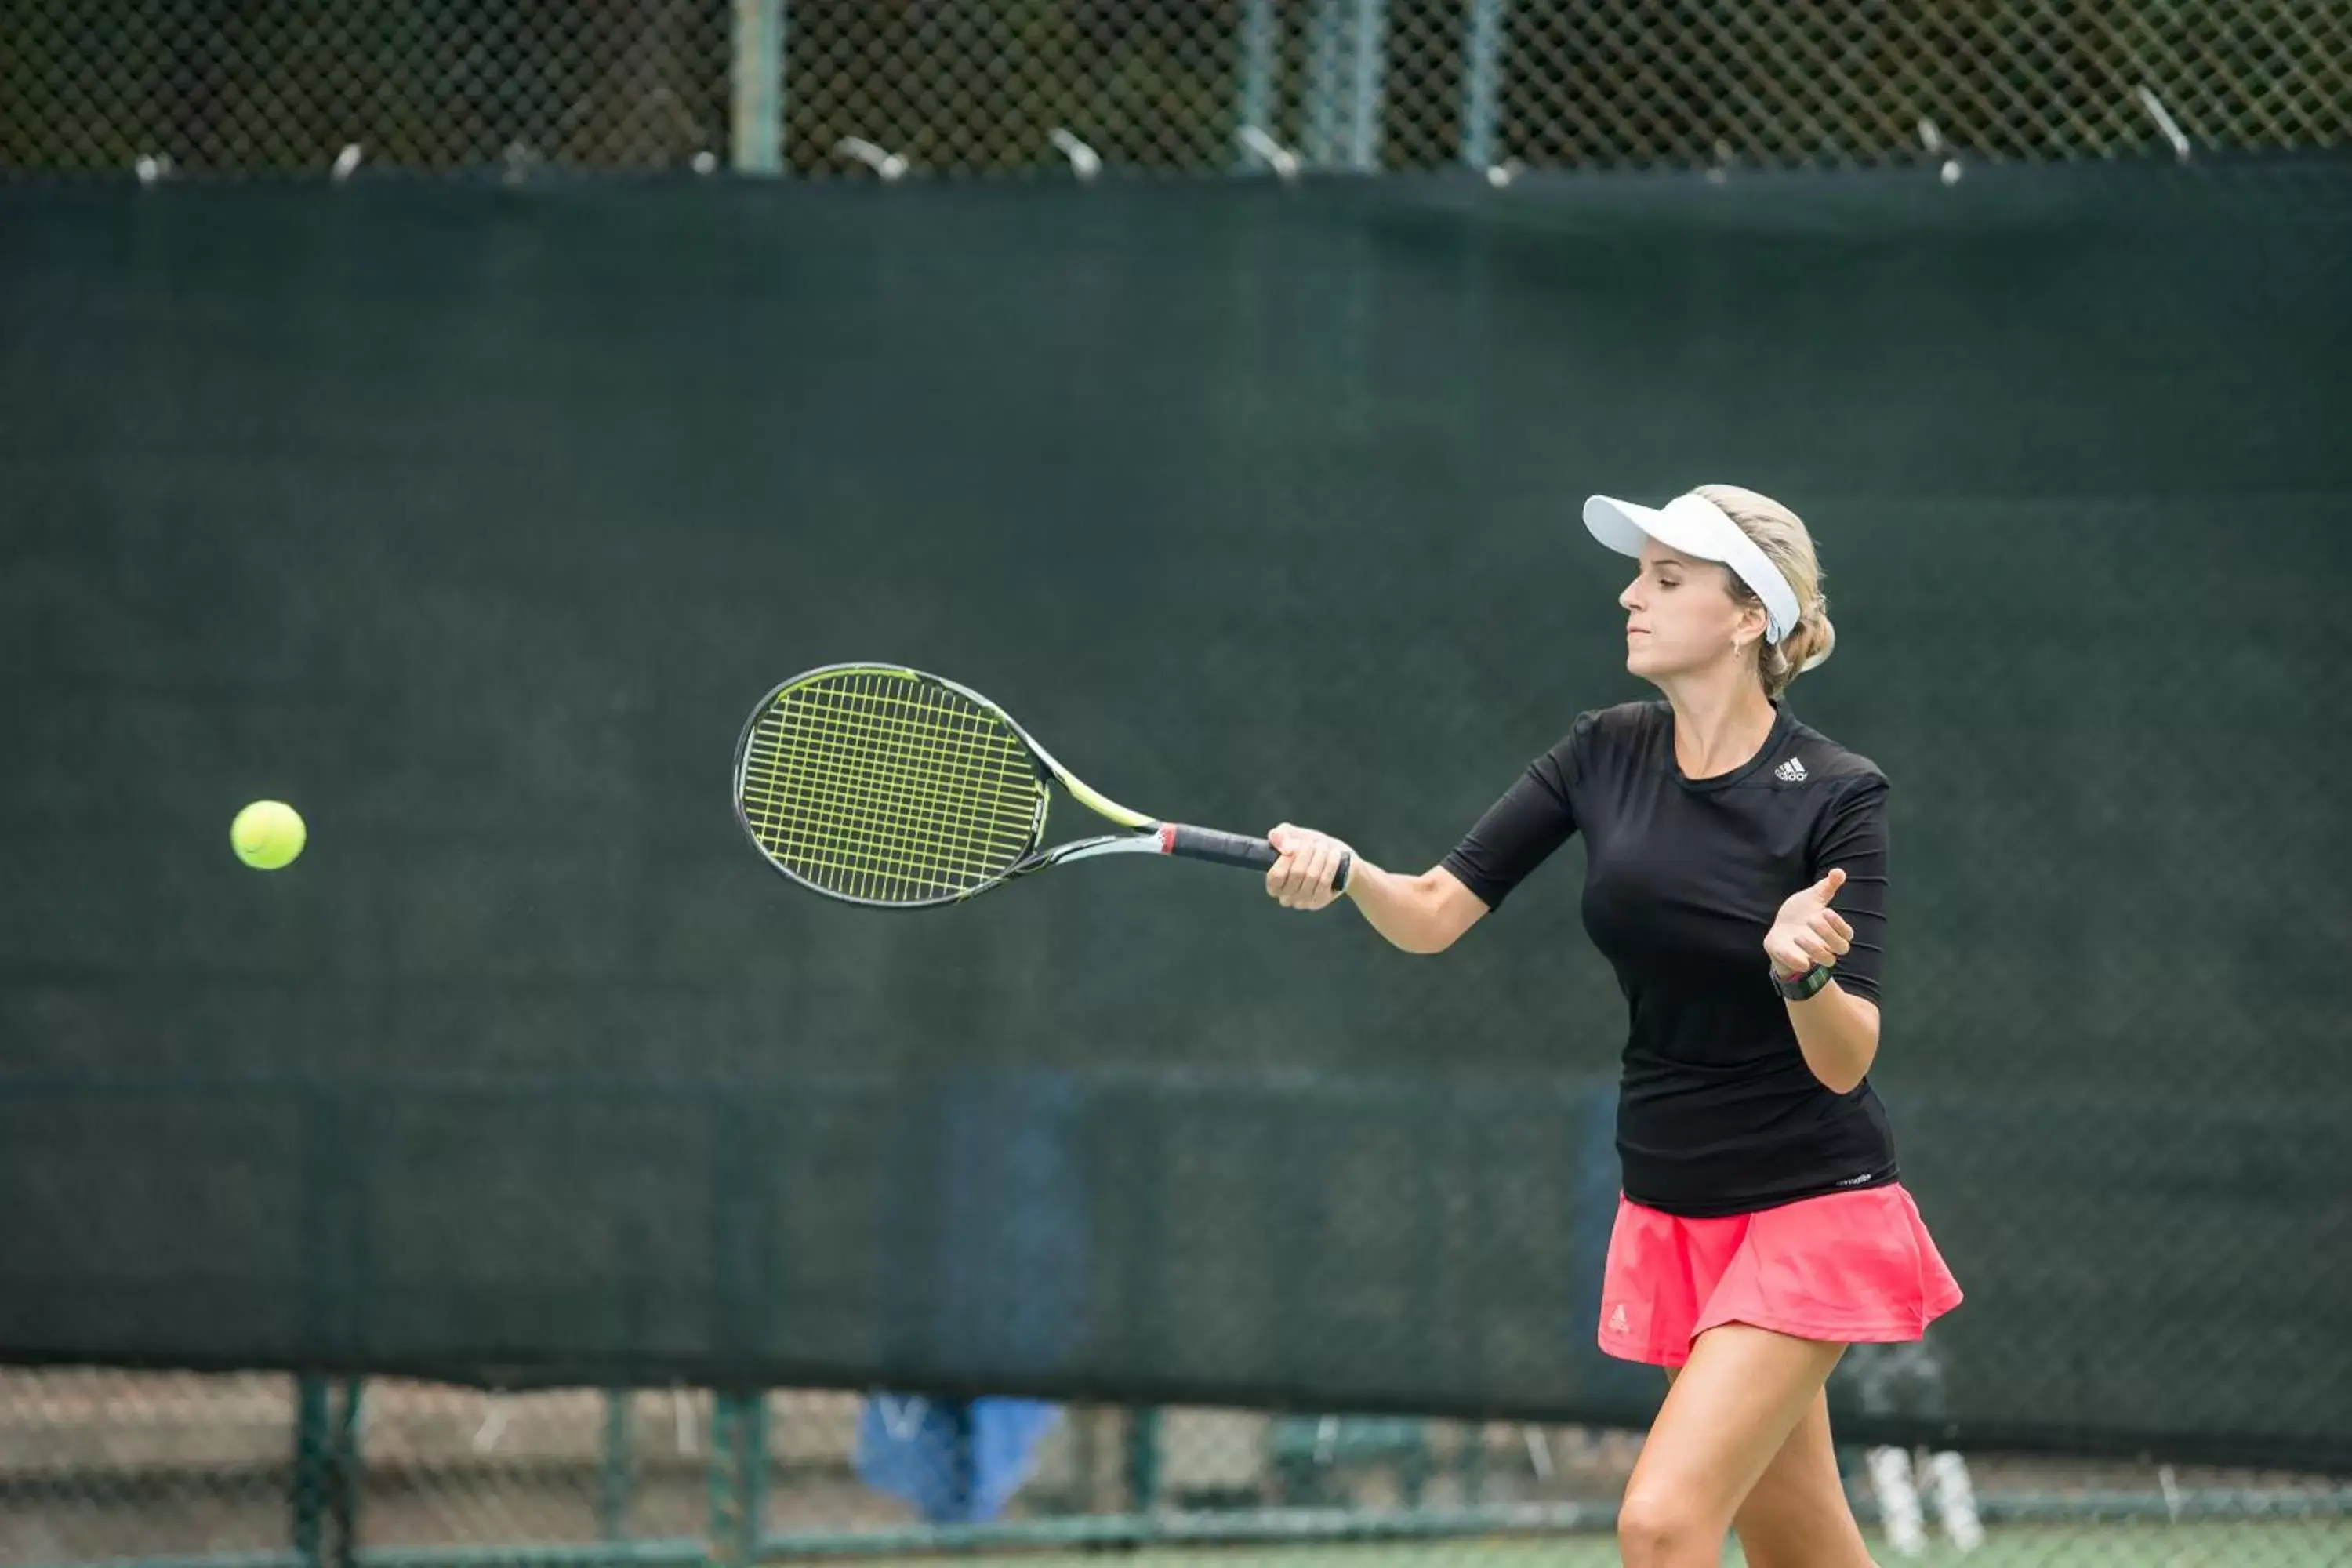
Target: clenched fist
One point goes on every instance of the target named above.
(1302, 879)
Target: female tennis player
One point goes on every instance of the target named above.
(1736, 879)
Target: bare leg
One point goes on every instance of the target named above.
(1727, 1416)
(1796, 1515)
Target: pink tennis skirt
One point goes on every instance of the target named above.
(1855, 1268)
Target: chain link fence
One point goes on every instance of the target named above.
(117, 1466)
(815, 87)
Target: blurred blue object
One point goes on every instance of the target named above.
(957, 1462)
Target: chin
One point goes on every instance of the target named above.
(1651, 663)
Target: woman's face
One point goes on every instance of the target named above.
(1680, 615)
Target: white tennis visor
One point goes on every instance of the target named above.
(1694, 526)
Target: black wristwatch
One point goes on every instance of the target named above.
(1803, 985)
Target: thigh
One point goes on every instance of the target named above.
(1796, 1515)
(1727, 1417)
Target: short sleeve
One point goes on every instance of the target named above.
(1852, 835)
(1533, 818)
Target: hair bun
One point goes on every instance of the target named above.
(1826, 635)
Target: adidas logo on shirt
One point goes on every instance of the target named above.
(1617, 1320)
(1791, 772)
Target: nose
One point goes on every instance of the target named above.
(1630, 600)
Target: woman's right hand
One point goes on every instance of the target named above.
(1301, 880)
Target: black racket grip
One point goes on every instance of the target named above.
(1235, 849)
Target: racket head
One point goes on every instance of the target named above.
(881, 785)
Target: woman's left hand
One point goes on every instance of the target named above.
(1807, 930)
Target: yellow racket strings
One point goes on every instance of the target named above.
(878, 785)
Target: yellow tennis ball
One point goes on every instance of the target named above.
(268, 835)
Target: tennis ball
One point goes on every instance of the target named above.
(268, 835)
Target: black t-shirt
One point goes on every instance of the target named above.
(1716, 1112)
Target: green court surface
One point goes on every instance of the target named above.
(2284, 1544)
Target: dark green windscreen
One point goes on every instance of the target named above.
(473, 520)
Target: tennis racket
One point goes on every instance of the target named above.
(881, 785)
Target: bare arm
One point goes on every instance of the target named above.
(1427, 913)
(1838, 1032)
(1420, 914)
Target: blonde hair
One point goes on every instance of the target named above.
(1780, 534)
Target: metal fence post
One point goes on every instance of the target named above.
(308, 1502)
(1367, 83)
(345, 1476)
(613, 1494)
(739, 1465)
(758, 137)
(1320, 139)
(1143, 1461)
(1347, 60)
(1260, 36)
(1481, 82)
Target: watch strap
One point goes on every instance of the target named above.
(1799, 987)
